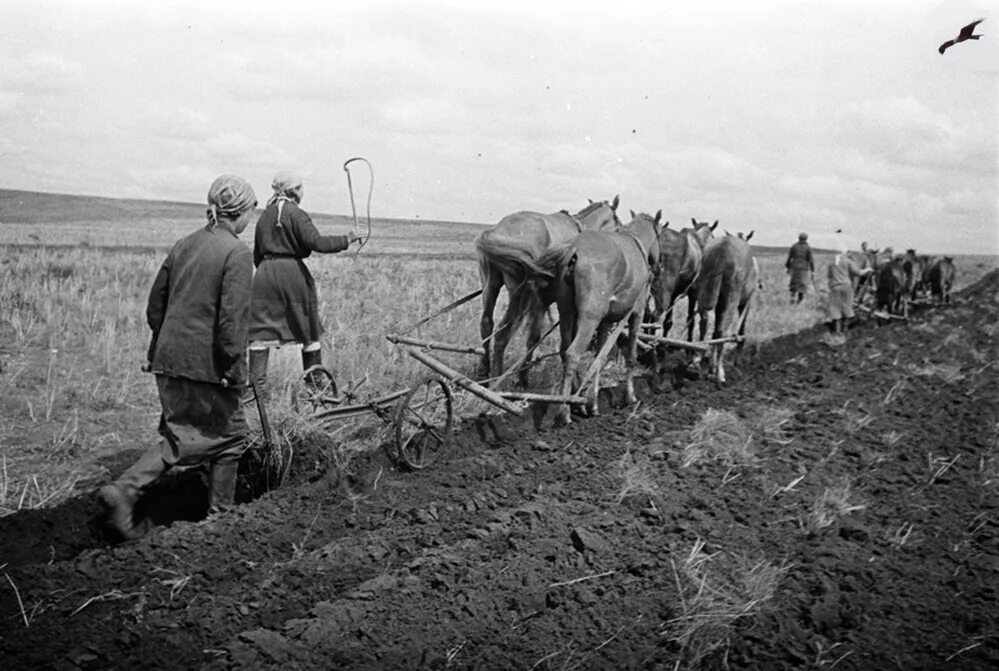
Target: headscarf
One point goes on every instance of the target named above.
(802, 237)
(285, 185)
(229, 195)
(840, 248)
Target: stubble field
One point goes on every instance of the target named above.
(827, 507)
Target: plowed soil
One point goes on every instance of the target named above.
(851, 522)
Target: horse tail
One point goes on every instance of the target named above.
(555, 268)
(512, 257)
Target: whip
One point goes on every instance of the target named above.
(353, 208)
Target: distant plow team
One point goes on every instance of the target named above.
(611, 279)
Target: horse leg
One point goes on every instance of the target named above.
(567, 332)
(603, 331)
(535, 322)
(491, 283)
(631, 358)
(507, 325)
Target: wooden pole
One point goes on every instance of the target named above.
(542, 398)
(673, 342)
(429, 344)
(463, 381)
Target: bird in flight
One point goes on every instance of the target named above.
(965, 34)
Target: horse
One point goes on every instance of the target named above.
(891, 292)
(680, 254)
(941, 278)
(913, 265)
(507, 253)
(598, 279)
(729, 277)
(681, 266)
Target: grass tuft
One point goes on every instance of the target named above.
(717, 593)
(720, 435)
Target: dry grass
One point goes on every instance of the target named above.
(770, 422)
(638, 478)
(834, 503)
(717, 593)
(721, 436)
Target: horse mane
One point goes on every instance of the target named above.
(590, 208)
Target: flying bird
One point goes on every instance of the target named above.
(965, 34)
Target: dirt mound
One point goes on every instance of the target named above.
(832, 505)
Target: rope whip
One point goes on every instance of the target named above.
(353, 208)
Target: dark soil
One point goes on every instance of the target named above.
(526, 550)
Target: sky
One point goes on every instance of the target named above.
(777, 117)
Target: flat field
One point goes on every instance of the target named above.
(795, 517)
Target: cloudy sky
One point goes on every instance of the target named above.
(770, 116)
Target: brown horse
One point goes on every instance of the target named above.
(680, 254)
(507, 253)
(600, 278)
(892, 294)
(940, 278)
(729, 278)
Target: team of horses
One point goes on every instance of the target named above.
(601, 274)
(900, 279)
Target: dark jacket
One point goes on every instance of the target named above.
(285, 305)
(199, 309)
(799, 257)
(294, 236)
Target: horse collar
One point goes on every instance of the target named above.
(574, 219)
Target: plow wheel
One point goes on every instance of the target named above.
(319, 390)
(423, 422)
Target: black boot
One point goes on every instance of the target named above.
(311, 363)
(258, 372)
(120, 496)
(223, 485)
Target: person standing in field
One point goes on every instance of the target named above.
(198, 311)
(284, 307)
(801, 267)
(842, 272)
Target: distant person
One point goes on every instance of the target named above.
(801, 267)
(285, 306)
(198, 311)
(842, 272)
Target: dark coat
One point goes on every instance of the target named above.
(199, 308)
(799, 257)
(285, 304)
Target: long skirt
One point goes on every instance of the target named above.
(840, 301)
(201, 422)
(284, 307)
(800, 280)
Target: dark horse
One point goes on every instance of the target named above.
(507, 253)
(600, 278)
(729, 277)
(680, 253)
(940, 278)
(892, 294)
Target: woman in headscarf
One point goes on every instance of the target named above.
(800, 267)
(285, 307)
(198, 311)
(842, 272)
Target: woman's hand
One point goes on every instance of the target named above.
(352, 237)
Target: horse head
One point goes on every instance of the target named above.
(702, 231)
(599, 214)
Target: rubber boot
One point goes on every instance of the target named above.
(120, 496)
(258, 372)
(313, 379)
(222, 492)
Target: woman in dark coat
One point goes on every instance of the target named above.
(801, 267)
(285, 307)
(198, 311)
